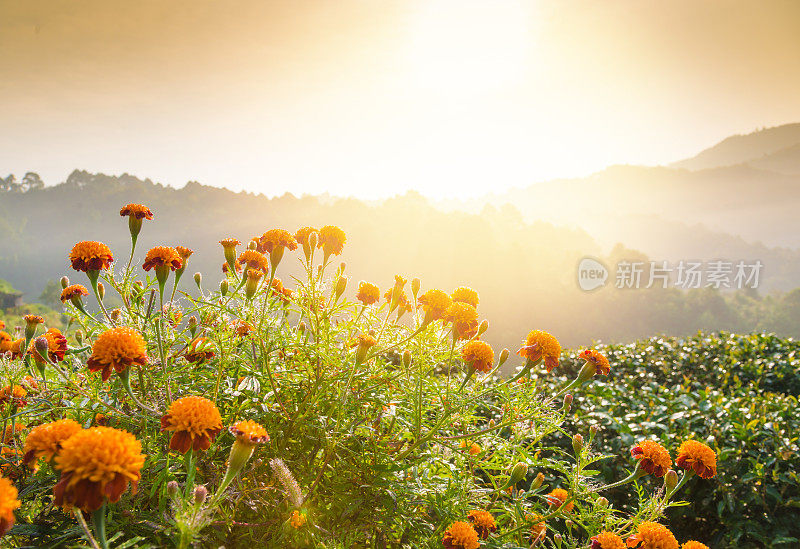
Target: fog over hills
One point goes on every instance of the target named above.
(519, 249)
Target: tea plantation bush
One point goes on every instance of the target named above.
(737, 393)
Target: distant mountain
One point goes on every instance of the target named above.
(776, 149)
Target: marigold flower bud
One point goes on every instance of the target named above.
(557, 539)
(253, 281)
(192, 325)
(198, 279)
(415, 285)
(253, 245)
(79, 336)
(341, 286)
(483, 327)
(116, 315)
(602, 502)
(406, 358)
(567, 403)
(172, 488)
(301, 328)
(503, 357)
(517, 473)
(569, 524)
(223, 288)
(312, 240)
(101, 290)
(577, 443)
(200, 494)
(64, 282)
(593, 430)
(41, 346)
(670, 480)
(342, 267)
(537, 482)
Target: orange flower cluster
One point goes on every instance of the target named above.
(368, 293)
(117, 349)
(607, 540)
(45, 441)
(56, 346)
(331, 240)
(479, 355)
(540, 345)
(75, 291)
(8, 504)
(200, 349)
(249, 432)
(483, 522)
(16, 395)
(435, 304)
(651, 535)
(251, 259)
(460, 535)
(465, 295)
(139, 211)
(464, 319)
(557, 499)
(162, 256)
(600, 362)
(696, 456)
(653, 458)
(276, 238)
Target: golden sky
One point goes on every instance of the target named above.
(371, 97)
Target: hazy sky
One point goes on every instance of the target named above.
(370, 97)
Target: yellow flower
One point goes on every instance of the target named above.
(75, 291)
(8, 504)
(653, 458)
(195, 421)
(249, 433)
(556, 499)
(464, 318)
(435, 304)
(460, 535)
(479, 355)
(229, 243)
(302, 235)
(483, 522)
(33, 320)
(696, 456)
(97, 463)
(45, 441)
(465, 295)
(162, 256)
(184, 252)
(15, 347)
(540, 344)
(331, 240)
(5, 342)
(607, 540)
(651, 535)
(368, 293)
(117, 349)
(90, 256)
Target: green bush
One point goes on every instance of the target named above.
(738, 394)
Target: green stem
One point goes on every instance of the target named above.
(99, 524)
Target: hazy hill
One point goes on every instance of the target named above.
(525, 271)
(754, 148)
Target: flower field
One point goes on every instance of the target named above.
(258, 411)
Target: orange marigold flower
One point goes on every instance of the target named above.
(276, 238)
(607, 540)
(651, 535)
(600, 362)
(368, 293)
(8, 504)
(162, 256)
(33, 320)
(460, 535)
(184, 252)
(237, 266)
(139, 211)
(5, 342)
(302, 234)
(173, 313)
(243, 328)
(229, 243)
(539, 527)
(74, 291)
(45, 441)
(16, 395)
(483, 522)
(90, 256)
(556, 499)
(116, 349)
(200, 349)
(464, 318)
(97, 463)
(297, 520)
(479, 355)
(696, 456)
(15, 347)
(540, 344)
(331, 240)
(435, 304)
(2, 325)
(465, 295)
(252, 259)
(653, 458)
(474, 448)
(56, 346)
(196, 422)
(691, 544)
(249, 432)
